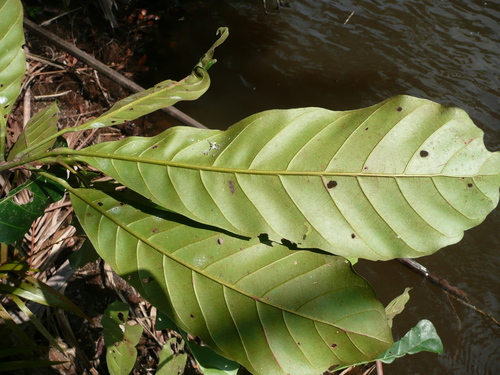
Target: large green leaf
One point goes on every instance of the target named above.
(12, 56)
(274, 310)
(41, 126)
(402, 178)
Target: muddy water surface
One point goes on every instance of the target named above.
(348, 54)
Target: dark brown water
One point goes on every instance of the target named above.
(307, 55)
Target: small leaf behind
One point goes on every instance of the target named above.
(120, 339)
(422, 337)
(397, 305)
(16, 219)
(171, 363)
(210, 362)
(39, 127)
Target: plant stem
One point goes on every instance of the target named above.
(3, 136)
(47, 140)
(51, 157)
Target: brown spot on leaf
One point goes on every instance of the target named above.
(353, 236)
(220, 241)
(154, 230)
(424, 153)
(470, 185)
(334, 346)
(154, 147)
(232, 189)
(399, 109)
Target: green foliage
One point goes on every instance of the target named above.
(12, 61)
(397, 305)
(16, 218)
(201, 238)
(207, 360)
(41, 126)
(422, 337)
(170, 362)
(120, 339)
(264, 291)
(18, 287)
(299, 173)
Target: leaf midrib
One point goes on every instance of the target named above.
(165, 163)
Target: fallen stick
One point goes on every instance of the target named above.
(459, 294)
(104, 69)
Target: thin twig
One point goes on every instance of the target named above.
(445, 285)
(82, 114)
(45, 61)
(49, 21)
(51, 96)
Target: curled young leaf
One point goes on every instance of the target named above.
(161, 95)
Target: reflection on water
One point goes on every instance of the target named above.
(313, 54)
